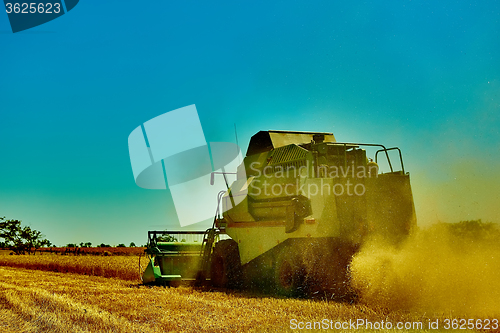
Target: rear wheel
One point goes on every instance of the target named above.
(225, 268)
(289, 273)
(327, 269)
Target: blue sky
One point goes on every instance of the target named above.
(420, 75)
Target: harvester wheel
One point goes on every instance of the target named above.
(225, 268)
(289, 273)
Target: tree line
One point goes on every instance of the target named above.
(22, 240)
(89, 244)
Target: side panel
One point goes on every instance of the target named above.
(257, 238)
(390, 208)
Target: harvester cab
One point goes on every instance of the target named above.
(301, 206)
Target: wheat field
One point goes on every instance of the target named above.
(39, 301)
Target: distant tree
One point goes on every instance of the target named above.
(104, 245)
(121, 245)
(30, 237)
(10, 231)
(20, 239)
(71, 245)
(132, 244)
(88, 244)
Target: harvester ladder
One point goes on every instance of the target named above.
(206, 250)
(208, 242)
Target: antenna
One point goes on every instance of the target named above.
(237, 144)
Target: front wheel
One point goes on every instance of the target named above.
(225, 268)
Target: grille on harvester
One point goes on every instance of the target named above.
(284, 158)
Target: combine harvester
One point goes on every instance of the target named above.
(300, 208)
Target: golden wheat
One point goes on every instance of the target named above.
(122, 267)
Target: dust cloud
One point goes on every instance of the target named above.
(444, 268)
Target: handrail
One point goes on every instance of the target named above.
(369, 145)
(400, 157)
